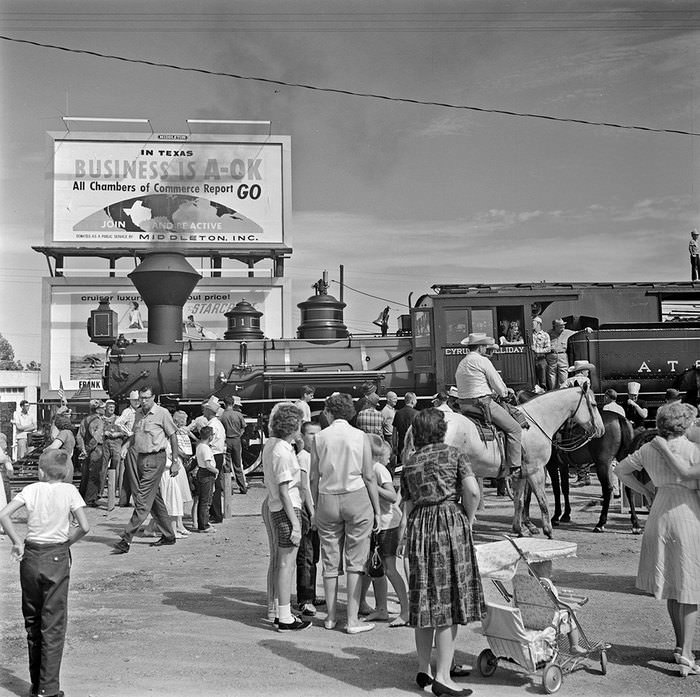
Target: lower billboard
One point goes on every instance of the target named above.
(71, 361)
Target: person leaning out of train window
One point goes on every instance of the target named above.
(635, 409)
(477, 382)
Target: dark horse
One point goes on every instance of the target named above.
(617, 442)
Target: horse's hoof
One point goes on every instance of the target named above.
(555, 522)
(566, 518)
(637, 531)
(599, 528)
(548, 534)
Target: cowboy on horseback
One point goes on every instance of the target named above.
(477, 381)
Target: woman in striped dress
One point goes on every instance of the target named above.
(669, 562)
(440, 496)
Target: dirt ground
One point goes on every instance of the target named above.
(187, 620)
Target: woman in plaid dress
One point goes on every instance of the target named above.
(441, 496)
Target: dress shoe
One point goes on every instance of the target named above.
(163, 541)
(439, 689)
(121, 547)
(423, 680)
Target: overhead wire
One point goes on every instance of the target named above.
(351, 93)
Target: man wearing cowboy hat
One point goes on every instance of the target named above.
(477, 380)
(127, 478)
(541, 347)
(210, 410)
(579, 374)
(635, 409)
(153, 429)
(234, 424)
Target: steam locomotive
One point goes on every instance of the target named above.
(421, 357)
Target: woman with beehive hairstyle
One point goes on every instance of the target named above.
(669, 562)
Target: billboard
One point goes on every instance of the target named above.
(71, 359)
(181, 191)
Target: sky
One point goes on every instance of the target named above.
(402, 195)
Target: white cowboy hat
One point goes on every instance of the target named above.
(581, 365)
(237, 401)
(537, 319)
(478, 339)
(212, 404)
(633, 388)
(134, 394)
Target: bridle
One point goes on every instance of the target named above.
(571, 443)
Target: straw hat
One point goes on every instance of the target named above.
(212, 404)
(478, 339)
(134, 394)
(578, 366)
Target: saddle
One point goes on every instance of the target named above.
(481, 418)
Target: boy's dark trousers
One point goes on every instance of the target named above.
(216, 509)
(205, 490)
(44, 574)
(307, 559)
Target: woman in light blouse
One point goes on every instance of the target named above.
(669, 562)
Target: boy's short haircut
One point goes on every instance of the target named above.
(206, 432)
(54, 464)
(380, 448)
(306, 424)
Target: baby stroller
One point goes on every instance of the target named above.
(537, 629)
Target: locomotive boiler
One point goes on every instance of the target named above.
(422, 357)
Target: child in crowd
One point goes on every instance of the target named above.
(206, 476)
(390, 534)
(45, 561)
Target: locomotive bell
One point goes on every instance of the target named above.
(243, 322)
(322, 318)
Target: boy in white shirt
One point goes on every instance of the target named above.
(45, 560)
(391, 529)
(206, 478)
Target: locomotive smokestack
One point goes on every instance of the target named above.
(164, 281)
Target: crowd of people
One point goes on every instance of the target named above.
(335, 497)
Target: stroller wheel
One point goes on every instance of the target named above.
(487, 662)
(552, 678)
(604, 662)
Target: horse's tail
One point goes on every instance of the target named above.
(626, 438)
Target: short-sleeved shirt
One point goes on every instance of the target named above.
(49, 505)
(280, 465)
(370, 421)
(633, 415)
(233, 422)
(205, 457)
(125, 420)
(434, 474)
(388, 414)
(218, 439)
(541, 343)
(152, 430)
(304, 408)
(67, 442)
(389, 511)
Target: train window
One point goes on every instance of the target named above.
(456, 325)
(482, 322)
(422, 327)
(511, 326)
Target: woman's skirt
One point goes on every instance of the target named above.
(669, 562)
(444, 582)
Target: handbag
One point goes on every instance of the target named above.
(375, 565)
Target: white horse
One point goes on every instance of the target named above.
(546, 414)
